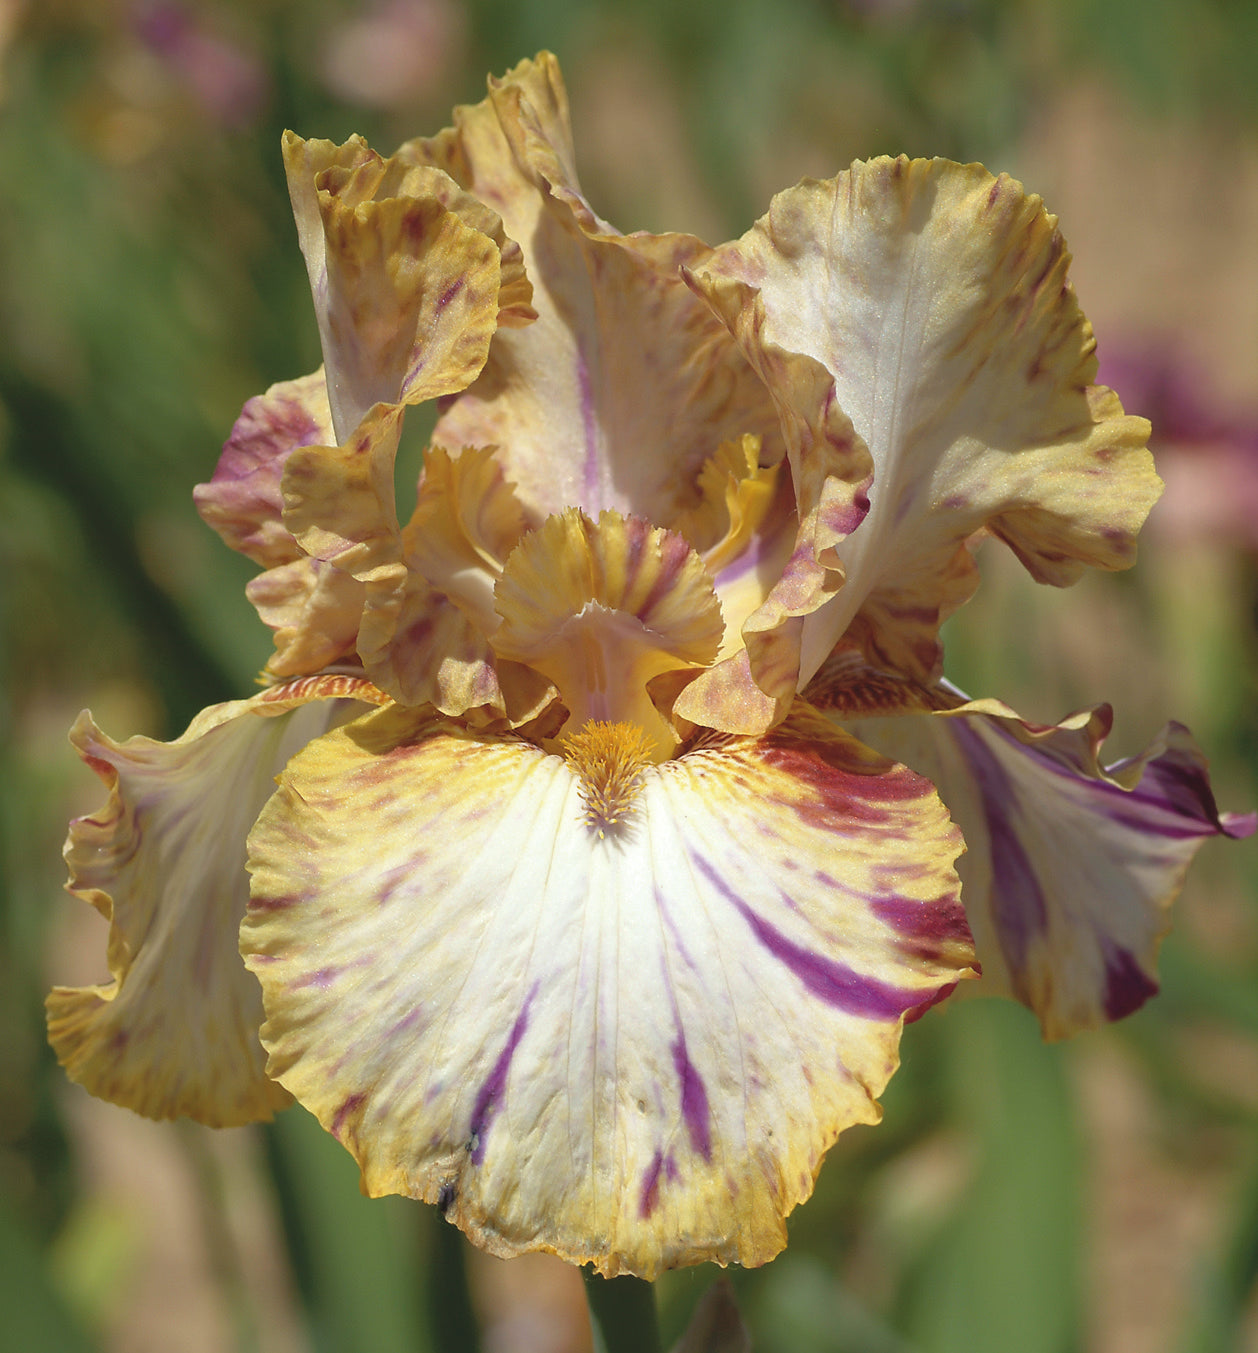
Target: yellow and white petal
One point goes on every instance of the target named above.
(243, 502)
(603, 608)
(176, 1030)
(626, 384)
(419, 647)
(623, 388)
(405, 292)
(1070, 867)
(315, 610)
(304, 161)
(936, 298)
(511, 149)
(627, 1044)
(752, 513)
(789, 569)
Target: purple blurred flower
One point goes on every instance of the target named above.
(1207, 450)
(229, 82)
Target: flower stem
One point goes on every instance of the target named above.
(453, 1320)
(622, 1313)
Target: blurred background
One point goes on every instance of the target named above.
(1097, 1196)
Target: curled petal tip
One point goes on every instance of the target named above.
(1071, 866)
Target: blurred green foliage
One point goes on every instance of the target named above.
(150, 283)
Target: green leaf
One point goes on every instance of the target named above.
(36, 1319)
(1225, 1286)
(358, 1261)
(1003, 1271)
(804, 1308)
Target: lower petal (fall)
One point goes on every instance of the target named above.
(628, 1044)
(1070, 867)
(176, 1030)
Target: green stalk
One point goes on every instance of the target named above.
(622, 1314)
(452, 1319)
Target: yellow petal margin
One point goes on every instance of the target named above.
(631, 1045)
(1071, 867)
(176, 1030)
(936, 296)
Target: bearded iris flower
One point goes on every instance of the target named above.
(606, 862)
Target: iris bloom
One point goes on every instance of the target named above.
(594, 896)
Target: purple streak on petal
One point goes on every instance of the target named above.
(942, 919)
(1127, 985)
(321, 978)
(1177, 782)
(1019, 908)
(912, 1016)
(742, 564)
(351, 1105)
(490, 1095)
(661, 903)
(835, 983)
(281, 902)
(1148, 825)
(406, 1023)
(1174, 789)
(694, 1100)
(449, 294)
(694, 1097)
(242, 501)
(844, 518)
(650, 1186)
(1239, 826)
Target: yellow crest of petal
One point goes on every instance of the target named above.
(602, 608)
(610, 759)
(467, 520)
(735, 494)
(409, 176)
(412, 301)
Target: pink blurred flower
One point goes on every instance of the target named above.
(228, 82)
(394, 54)
(1207, 450)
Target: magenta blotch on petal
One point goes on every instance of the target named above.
(1071, 867)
